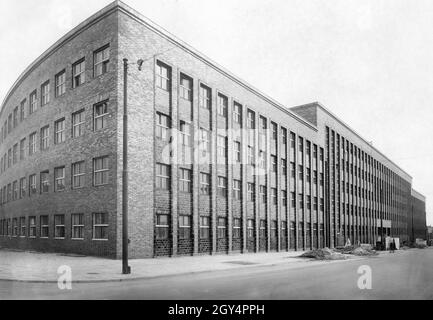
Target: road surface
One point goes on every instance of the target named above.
(403, 275)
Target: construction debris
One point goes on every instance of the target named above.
(357, 251)
(323, 254)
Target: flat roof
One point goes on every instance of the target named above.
(318, 104)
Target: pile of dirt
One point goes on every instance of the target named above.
(323, 254)
(420, 246)
(357, 251)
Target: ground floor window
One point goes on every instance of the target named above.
(59, 226)
(45, 228)
(23, 227)
(184, 227)
(262, 229)
(162, 226)
(222, 228)
(77, 220)
(204, 227)
(250, 228)
(100, 226)
(236, 228)
(32, 227)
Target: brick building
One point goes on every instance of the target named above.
(216, 166)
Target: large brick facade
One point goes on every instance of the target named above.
(314, 182)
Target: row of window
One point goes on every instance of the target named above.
(101, 59)
(163, 173)
(18, 151)
(162, 228)
(19, 188)
(27, 227)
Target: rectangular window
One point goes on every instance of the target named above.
(162, 226)
(22, 149)
(205, 97)
(237, 151)
(10, 123)
(204, 227)
(205, 183)
(262, 230)
(33, 105)
(204, 141)
(293, 199)
(237, 113)
(262, 160)
(59, 179)
(237, 189)
(15, 117)
(185, 180)
(78, 73)
(100, 226)
(184, 227)
(23, 186)
(222, 105)
(185, 87)
(185, 132)
(59, 226)
(77, 223)
(23, 227)
(100, 115)
(284, 167)
(274, 196)
(32, 184)
(250, 156)
(162, 126)
(15, 229)
(101, 60)
(78, 175)
(78, 124)
(250, 228)
(222, 228)
(45, 138)
(163, 76)
(15, 190)
(32, 143)
(284, 198)
(100, 171)
(284, 136)
(45, 228)
(262, 193)
(236, 228)
(250, 120)
(274, 225)
(222, 146)
(274, 128)
(274, 164)
(59, 131)
(32, 227)
(222, 187)
(15, 153)
(45, 183)
(162, 176)
(250, 191)
(45, 93)
(60, 83)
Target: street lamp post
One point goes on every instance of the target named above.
(126, 269)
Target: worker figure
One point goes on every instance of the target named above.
(392, 246)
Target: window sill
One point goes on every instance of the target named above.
(77, 239)
(56, 238)
(103, 240)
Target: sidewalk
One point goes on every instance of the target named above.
(43, 267)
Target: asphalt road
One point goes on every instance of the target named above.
(403, 275)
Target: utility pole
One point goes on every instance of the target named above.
(126, 269)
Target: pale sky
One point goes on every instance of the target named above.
(369, 62)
